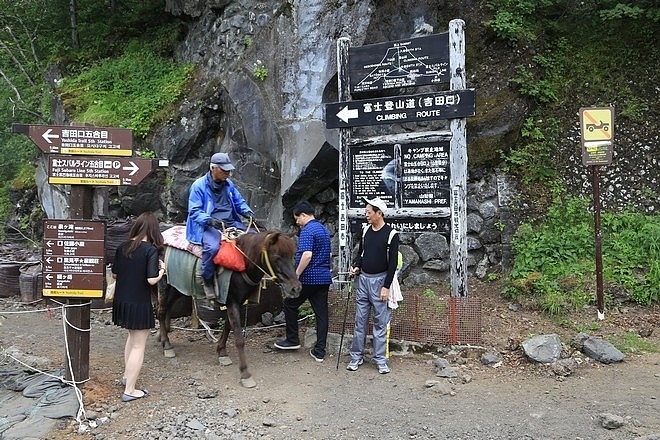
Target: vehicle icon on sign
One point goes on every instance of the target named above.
(602, 126)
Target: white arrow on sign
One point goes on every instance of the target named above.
(48, 260)
(48, 276)
(134, 168)
(345, 114)
(47, 135)
(49, 243)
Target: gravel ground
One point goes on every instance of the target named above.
(192, 397)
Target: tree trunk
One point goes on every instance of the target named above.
(75, 41)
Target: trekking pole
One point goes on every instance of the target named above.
(343, 326)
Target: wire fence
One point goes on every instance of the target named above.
(420, 317)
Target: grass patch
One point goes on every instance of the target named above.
(632, 343)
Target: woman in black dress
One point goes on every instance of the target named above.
(136, 268)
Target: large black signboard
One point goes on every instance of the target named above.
(416, 175)
(372, 171)
(404, 63)
(425, 180)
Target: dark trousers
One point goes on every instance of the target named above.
(317, 294)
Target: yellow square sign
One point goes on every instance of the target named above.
(597, 124)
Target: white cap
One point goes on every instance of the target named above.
(376, 203)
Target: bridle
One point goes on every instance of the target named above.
(270, 274)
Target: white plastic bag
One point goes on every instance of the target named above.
(110, 292)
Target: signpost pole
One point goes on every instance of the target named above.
(78, 310)
(343, 84)
(458, 165)
(597, 137)
(595, 181)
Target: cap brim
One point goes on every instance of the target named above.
(226, 167)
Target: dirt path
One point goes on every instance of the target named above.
(297, 397)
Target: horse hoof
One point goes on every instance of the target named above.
(169, 353)
(248, 383)
(224, 360)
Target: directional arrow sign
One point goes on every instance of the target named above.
(89, 170)
(400, 109)
(99, 141)
(73, 264)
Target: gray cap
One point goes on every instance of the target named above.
(222, 160)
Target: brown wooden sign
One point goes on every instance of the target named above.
(73, 264)
(100, 141)
(81, 170)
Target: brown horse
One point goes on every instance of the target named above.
(269, 254)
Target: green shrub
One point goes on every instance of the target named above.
(555, 259)
(533, 158)
(130, 91)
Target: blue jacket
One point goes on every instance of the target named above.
(200, 207)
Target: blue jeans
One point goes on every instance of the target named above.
(367, 297)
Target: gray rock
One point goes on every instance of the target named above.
(545, 349)
(611, 421)
(602, 351)
(490, 358)
(564, 367)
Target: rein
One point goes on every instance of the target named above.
(270, 275)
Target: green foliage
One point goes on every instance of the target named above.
(259, 71)
(632, 343)
(554, 260)
(520, 20)
(428, 293)
(533, 159)
(16, 156)
(129, 91)
(631, 247)
(146, 154)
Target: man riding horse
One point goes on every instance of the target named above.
(214, 204)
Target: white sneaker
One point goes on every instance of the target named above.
(354, 364)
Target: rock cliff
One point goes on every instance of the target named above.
(265, 69)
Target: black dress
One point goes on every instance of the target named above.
(131, 306)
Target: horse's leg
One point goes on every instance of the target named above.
(233, 316)
(166, 297)
(221, 348)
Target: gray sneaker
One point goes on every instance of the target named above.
(354, 364)
(383, 369)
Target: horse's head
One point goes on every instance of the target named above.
(274, 252)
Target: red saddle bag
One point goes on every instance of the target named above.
(229, 256)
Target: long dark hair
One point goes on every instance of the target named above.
(147, 227)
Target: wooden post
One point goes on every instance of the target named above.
(458, 165)
(600, 299)
(77, 312)
(345, 241)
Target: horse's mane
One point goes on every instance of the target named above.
(277, 243)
